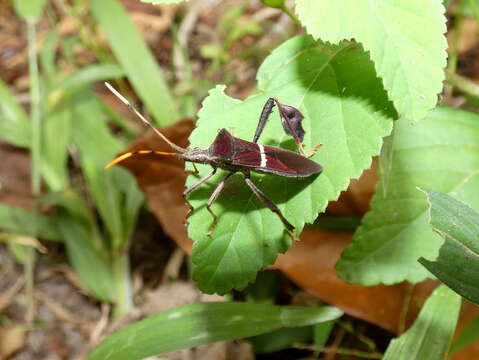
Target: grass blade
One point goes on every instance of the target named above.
(197, 324)
(457, 265)
(18, 220)
(54, 157)
(431, 333)
(137, 60)
(89, 74)
(14, 126)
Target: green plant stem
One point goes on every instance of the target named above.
(121, 275)
(29, 269)
(462, 83)
(34, 107)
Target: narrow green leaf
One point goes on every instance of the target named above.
(114, 191)
(89, 263)
(431, 334)
(458, 262)
(469, 334)
(55, 140)
(29, 9)
(327, 84)
(18, 220)
(14, 126)
(47, 55)
(192, 325)
(405, 38)
(438, 152)
(89, 74)
(85, 248)
(321, 334)
(137, 60)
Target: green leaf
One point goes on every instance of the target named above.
(431, 334)
(14, 126)
(469, 334)
(29, 9)
(405, 38)
(32, 223)
(438, 152)
(195, 324)
(137, 60)
(89, 74)
(458, 263)
(327, 84)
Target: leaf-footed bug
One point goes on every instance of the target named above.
(236, 155)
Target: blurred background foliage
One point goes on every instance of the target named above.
(59, 127)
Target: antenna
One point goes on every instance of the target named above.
(145, 121)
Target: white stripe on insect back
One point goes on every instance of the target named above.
(263, 155)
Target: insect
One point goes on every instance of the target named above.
(237, 155)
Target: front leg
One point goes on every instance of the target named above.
(192, 188)
(310, 153)
(212, 199)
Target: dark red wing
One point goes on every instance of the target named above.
(273, 160)
(288, 163)
(246, 153)
(223, 145)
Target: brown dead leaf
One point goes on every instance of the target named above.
(310, 263)
(11, 340)
(162, 179)
(355, 200)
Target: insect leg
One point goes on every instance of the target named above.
(270, 205)
(267, 109)
(193, 187)
(212, 199)
(192, 172)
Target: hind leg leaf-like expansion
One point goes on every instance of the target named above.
(212, 199)
(272, 206)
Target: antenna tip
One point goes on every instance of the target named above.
(117, 94)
